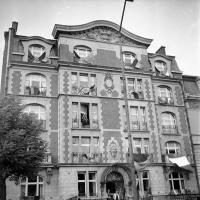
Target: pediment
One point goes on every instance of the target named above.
(103, 31)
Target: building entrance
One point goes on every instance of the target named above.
(115, 182)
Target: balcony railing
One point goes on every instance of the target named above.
(135, 94)
(36, 91)
(86, 157)
(138, 125)
(165, 100)
(90, 91)
(138, 157)
(169, 129)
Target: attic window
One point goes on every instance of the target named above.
(160, 66)
(82, 51)
(36, 53)
(128, 58)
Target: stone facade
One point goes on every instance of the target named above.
(75, 83)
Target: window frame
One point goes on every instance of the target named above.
(31, 108)
(176, 147)
(168, 123)
(30, 88)
(180, 180)
(91, 113)
(37, 183)
(82, 51)
(128, 56)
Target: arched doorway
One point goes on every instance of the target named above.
(115, 182)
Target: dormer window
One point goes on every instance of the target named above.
(161, 67)
(81, 53)
(36, 53)
(128, 58)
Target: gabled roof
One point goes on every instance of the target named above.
(95, 24)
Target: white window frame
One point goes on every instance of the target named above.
(168, 119)
(91, 113)
(176, 147)
(83, 52)
(36, 50)
(128, 58)
(180, 179)
(37, 183)
(87, 181)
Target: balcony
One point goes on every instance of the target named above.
(165, 100)
(135, 95)
(138, 126)
(169, 129)
(138, 157)
(35, 91)
(86, 157)
(88, 91)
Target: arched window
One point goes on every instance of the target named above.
(172, 147)
(165, 95)
(35, 84)
(82, 51)
(129, 58)
(36, 53)
(39, 111)
(168, 123)
(176, 182)
(32, 187)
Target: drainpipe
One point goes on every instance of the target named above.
(190, 134)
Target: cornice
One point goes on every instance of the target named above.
(98, 23)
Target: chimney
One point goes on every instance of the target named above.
(14, 26)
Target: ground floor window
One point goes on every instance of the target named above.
(32, 187)
(176, 181)
(87, 185)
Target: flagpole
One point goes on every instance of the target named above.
(132, 166)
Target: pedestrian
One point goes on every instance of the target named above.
(116, 196)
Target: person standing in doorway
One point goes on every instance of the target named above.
(116, 196)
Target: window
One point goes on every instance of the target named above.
(39, 111)
(32, 187)
(172, 148)
(83, 84)
(145, 181)
(141, 145)
(82, 51)
(35, 84)
(134, 88)
(165, 95)
(84, 115)
(176, 182)
(137, 118)
(87, 185)
(161, 67)
(168, 123)
(36, 53)
(85, 149)
(128, 58)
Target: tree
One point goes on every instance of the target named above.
(22, 150)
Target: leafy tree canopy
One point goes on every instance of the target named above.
(21, 148)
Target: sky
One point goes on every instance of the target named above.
(174, 24)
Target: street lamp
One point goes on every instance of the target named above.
(133, 177)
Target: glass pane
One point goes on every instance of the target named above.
(145, 175)
(22, 190)
(74, 79)
(93, 80)
(40, 179)
(176, 185)
(96, 141)
(85, 140)
(40, 190)
(92, 175)
(146, 185)
(83, 80)
(92, 188)
(32, 179)
(81, 176)
(139, 85)
(75, 140)
(81, 189)
(75, 114)
(31, 190)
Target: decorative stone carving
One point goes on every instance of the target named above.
(113, 150)
(108, 83)
(104, 34)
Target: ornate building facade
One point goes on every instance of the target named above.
(74, 84)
